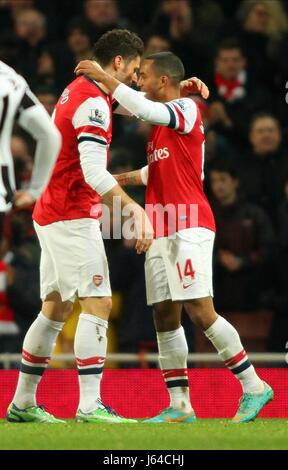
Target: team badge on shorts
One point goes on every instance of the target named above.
(97, 280)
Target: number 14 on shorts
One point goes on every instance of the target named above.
(185, 270)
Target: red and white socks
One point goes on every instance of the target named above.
(226, 340)
(90, 350)
(173, 352)
(38, 345)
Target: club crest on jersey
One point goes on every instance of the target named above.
(97, 117)
(97, 280)
(65, 96)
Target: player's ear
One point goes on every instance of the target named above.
(164, 80)
(117, 62)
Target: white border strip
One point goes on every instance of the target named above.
(276, 359)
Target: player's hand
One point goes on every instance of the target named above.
(23, 199)
(194, 86)
(91, 68)
(144, 231)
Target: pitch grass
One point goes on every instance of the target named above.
(205, 434)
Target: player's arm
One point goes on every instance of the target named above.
(189, 87)
(93, 157)
(133, 178)
(162, 114)
(93, 150)
(33, 117)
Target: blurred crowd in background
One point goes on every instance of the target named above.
(240, 49)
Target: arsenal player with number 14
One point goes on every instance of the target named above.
(178, 266)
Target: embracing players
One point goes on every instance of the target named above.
(178, 265)
(73, 259)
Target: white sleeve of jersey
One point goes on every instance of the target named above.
(22, 105)
(36, 121)
(12, 90)
(6, 88)
(144, 174)
(141, 107)
(118, 109)
(93, 159)
(178, 114)
(184, 112)
(91, 122)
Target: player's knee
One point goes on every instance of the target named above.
(106, 304)
(164, 322)
(98, 306)
(200, 313)
(67, 309)
(56, 310)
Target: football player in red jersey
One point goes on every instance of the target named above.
(178, 265)
(73, 259)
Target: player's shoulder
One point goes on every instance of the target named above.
(83, 93)
(83, 86)
(185, 105)
(88, 104)
(10, 80)
(184, 114)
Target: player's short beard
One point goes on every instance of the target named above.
(122, 77)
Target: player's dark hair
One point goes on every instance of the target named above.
(167, 63)
(224, 165)
(228, 44)
(117, 42)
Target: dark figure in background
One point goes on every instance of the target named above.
(30, 27)
(23, 289)
(278, 339)
(104, 16)
(191, 40)
(55, 67)
(244, 244)
(262, 25)
(156, 42)
(47, 96)
(234, 95)
(264, 168)
(80, 39)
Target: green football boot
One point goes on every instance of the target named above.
(32, 414)
(103, 414)
(252, 403)
(171, 415)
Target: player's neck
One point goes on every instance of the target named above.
(171, 94)
(111, 72)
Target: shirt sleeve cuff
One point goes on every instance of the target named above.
(144, 174)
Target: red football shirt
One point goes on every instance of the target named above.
(175, 177)
(83, 112)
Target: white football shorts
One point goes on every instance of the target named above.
(180, 268)
(73, 259)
